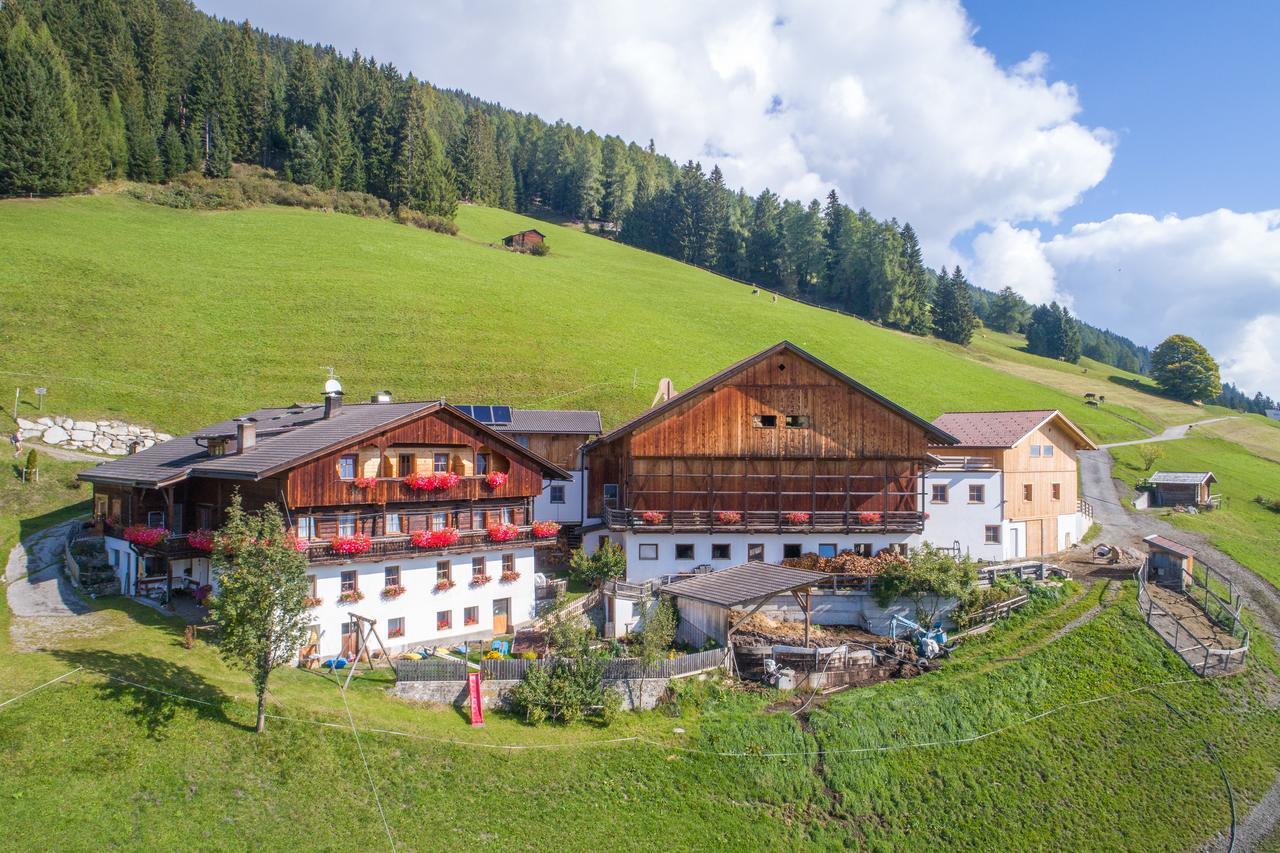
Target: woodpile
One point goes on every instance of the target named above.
(845, 563)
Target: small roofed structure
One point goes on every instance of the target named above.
(526, 239)
(704, 601)
(1169, 562)
(1182, 488)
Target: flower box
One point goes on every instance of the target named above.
(503, 532)
(480, 580)
(509, 576)
(728, 517)
(545, 529)
(201, 540)
(312, 601)
(870, 517)
(653, 517)
(350, 546)
(442, 538)
(147, 537)
(442, 586)
(797, 517)
(364, 482)
(421, 482)
(495, 479)
(392, 591)
(351, 596)
(300, 545)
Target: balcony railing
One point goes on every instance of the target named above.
(853, 521)
(964, 463)
(388, 547)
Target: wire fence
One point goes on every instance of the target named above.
(1201, 657)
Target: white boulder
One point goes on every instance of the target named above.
(81, 435)
(55, 435)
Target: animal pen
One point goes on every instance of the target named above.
(1199, 618)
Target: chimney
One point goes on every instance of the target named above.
(133, 447)
(381, 397)
(246, 434)
(332, 404)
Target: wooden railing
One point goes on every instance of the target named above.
(1084, 508)
(964, 463)
(852, 521)
(1202, 658)
(384, 547)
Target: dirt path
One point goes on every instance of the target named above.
(1121, 526)
(64, 454)
(33, 574)
(1172, 433)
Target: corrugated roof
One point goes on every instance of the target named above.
(1183, 478)
(1169, 545)
(573, 421)
(1004, 429)
(743, 584)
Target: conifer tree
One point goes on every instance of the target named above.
(172, 153)
(39, 129)
(764, 242)
(421, 178)
(913, 313)
(304, 165)
(953, 317)
(1010, 312)
(218, 163)
(476, 163)
(114, 138)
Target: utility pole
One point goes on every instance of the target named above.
(17, 395)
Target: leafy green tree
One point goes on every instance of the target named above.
(607, 563)
(1009, 312)
(262, 586)
(657, 631)
(953, 317)
(929, 576)
(39, 128)
(1185, 370)
(1151, 454)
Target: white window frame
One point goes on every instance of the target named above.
(1048, 450)
(1035, 451)
(392, 523)
(346, 525)
(435, 463)
(982, 493)
(649, 548)
(834, 547)
(355, 466)
(306, 527)
(987, 532)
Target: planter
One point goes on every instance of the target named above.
(503, 532)
(870, 517)
(652, 517)
(495, 479)
(351, 597)
(312, 601)
(509, 577)
(442, 538)
(728, 517)
(201, 540)
(545, 529)
(444, 586)
(393, 591)
(364, 482)
(797, 518)
(480, 580)
(147, 537)
(350, 546)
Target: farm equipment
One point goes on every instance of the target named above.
(930, 642)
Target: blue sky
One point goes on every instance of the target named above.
(1190, 90)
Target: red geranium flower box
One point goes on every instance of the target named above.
(480, 580)
(510, 576)
(364, 482)
(201, 540)
(797, 517)
(312, 601)
(447, 480)
(442, 538)
(351, 597)
(147, 537)
(545, 529)
(443, 585)
(653, 517)
(870, 517)
(422, 482)
(350, 546)
(496, 479)
(728, 517)
(393, 591)
(503, 532)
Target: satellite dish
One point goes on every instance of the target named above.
(332, 386)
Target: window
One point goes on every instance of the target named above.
(311, 583)
(482, 463)
(977, 494)
(444, 620)
(346, 525)
(439, 520)
(1048, 450)
(1056, 490)
(1026, 491)
(827, 549)
(347, 467)
(764, 421)
(477, 567)
(797, 421)
(648, 552)
(684, 552)
(791, 552)
(204, 517)
(611, 494)
(405, 464)
(440, 463)
(155, 519)
(557, 494)
(755, 552)
(522, 440)
(350, 581)
(507, 517)
(939, 493)
(862, 549)
(217, 447)
(444, 571)
(993, 534)
(471, 616)
(1035, 451)
(602, 541)
(508, 563)
(391, 576)
(395, 628)
(393, 523)
(306, 527)
(720, 551)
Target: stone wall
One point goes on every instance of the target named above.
(637, 694)
(109, 437)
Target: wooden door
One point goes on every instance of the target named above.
(1035, 537)
(501, 615)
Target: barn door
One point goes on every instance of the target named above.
(1035, 537)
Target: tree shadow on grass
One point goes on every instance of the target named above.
(135, 682)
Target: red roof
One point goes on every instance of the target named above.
(992, 429)
(1169, 545)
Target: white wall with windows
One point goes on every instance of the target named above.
(426, 617)
(560, 500)
(966, 508)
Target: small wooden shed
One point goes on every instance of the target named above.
(524, 239)
(1181, 488)
(704, 601)
(1170, 563)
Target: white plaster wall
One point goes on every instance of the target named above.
(1014, 539)
(569, 512)
(1071, 529)
(420, 602)
(120, 556)
(957, 520)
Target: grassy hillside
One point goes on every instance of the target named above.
(179, 317)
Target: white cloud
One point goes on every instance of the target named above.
(1014, 257)
(1215, 277)
(890, 102)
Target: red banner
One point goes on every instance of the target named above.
(477, 705)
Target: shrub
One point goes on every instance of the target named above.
(1150, 454)
(928, 573)
(609, 562)
(418, 219)
(1272, 504)
(540, 249)
(565, 689)
(32, 464)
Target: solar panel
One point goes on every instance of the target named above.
(466, 410)
(482, 414)
(502, 415)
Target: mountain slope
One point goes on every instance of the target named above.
(178, 317)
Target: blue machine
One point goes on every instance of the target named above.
(931, 642)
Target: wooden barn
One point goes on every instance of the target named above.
(1182, 488)
(524, 239)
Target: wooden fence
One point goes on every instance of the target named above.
(1203, 659)
(617, 669)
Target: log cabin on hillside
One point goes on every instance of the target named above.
(777, 455)
(417, 511)
(526, 239)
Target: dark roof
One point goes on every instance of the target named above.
(554, 421)
(743, 584)
(936, 434)
(1004, 429)
(1183, 478)
(526, 231)
(285, 437)
(1169, 545)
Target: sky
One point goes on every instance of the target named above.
(1117, 157)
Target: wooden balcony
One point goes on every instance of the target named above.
(702, 521)
(400, 546)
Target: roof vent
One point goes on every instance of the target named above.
(332, 404)
(381, 397)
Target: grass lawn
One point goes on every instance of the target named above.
(177, 318)
(91, 762)
(28, 507)
(1245, 530)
